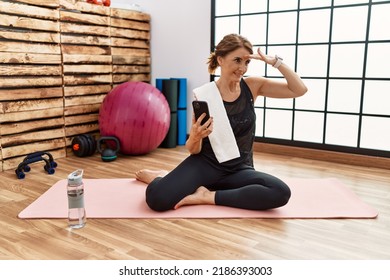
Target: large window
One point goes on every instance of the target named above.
(341, 48)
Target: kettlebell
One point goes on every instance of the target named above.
(107, 153)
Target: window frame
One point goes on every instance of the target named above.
(327, 79)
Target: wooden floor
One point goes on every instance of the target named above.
(189, 239)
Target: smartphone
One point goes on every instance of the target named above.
(201, 107)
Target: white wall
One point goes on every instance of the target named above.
(180, 40)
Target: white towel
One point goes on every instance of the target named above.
(222, 139)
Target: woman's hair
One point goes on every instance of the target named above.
(228, 44)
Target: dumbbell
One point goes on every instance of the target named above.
(84, 145)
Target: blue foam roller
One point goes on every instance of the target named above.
(159, 84)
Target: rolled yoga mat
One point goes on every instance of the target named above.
(182, 112)
(125, 198)
(170, 89)
(181, 126)
(170, 140)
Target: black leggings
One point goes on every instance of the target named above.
(244, 188)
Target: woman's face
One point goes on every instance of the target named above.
(235, 64)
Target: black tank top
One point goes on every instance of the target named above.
(242, 117)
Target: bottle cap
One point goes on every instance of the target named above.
(76, 177)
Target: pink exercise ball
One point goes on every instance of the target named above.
(137, 114)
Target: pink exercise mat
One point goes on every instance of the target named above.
(125, 198)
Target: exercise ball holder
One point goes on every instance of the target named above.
(49, 166)
(108, 153)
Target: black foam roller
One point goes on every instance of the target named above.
(170, 89)
(170, 140)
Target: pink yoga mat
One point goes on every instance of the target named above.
(125, 198)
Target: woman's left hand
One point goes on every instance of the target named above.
(269, 59)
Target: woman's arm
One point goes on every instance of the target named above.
(293, 85)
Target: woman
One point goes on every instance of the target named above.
(201, 178)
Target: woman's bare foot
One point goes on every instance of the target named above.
(201, 196)
(147, 175)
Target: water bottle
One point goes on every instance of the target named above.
(76, 215)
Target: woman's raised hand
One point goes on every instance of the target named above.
(269, 59)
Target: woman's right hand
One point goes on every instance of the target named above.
(198, 132)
